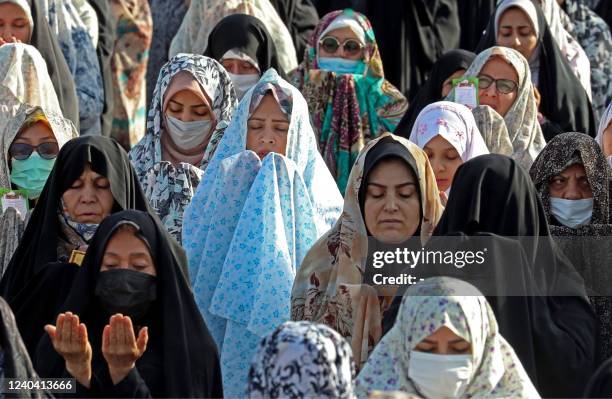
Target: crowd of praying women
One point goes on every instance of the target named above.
(193, 191)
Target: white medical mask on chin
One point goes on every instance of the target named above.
(440, 376)
(242, 83)
(188, 135)
(572, 213)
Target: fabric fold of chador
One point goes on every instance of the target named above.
(248, 228)
(78, 37)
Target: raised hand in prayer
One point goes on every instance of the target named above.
(120, 347)
(13, 39)
(69, 338)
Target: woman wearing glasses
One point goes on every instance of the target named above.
(29, 148)
(563, 102)
(507, 114)
(349, 99)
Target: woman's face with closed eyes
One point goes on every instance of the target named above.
(515, 30)
(444, 342)
(267, 127)
(188, 107)
(392, 207)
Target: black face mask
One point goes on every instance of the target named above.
(126, 291)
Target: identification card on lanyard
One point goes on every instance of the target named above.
(17, 199)
(466, 92)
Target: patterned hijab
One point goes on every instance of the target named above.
(169, 187)
(521, 120)
(570, 48)
(455, 123)
(302, 360)
(203, 15)
(69, 21)
(328, 286)
(427, 306)
(24, 73)
(348, 110)
(250, 225)
(565, 150)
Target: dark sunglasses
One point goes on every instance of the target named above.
(330, 44)
(22, 151)
(503, 86)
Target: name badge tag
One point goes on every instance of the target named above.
(77, 257)
(466, 92)
(17, 199)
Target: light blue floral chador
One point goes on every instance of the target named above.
(249, 226)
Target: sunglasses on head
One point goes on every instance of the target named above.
(503, 86)
(330, 44)
(22, 151)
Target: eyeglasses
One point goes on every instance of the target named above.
(503, 86)
(330, 44)
(22, 151)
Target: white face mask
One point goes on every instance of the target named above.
(609, 158)
(242, 83)
(440, 376)
(188, 135)
(572, 213)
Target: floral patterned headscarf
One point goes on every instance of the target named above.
(302, 360)
(170, 188)
(429, 305)
(348, 110)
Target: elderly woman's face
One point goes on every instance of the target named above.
(498, 69)
(392, 206)
(571, 184)
(515, 30)
(89, 199)
(14, 24)
(126, 251)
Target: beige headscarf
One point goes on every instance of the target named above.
(521, 121)
(23, 72)
(203, 15)
(328, 286)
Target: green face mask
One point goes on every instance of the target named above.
(31, 174)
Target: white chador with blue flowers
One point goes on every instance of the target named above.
(249, 226)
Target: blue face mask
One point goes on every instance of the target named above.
(31, 173)
(342, 65)
(572, 213)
